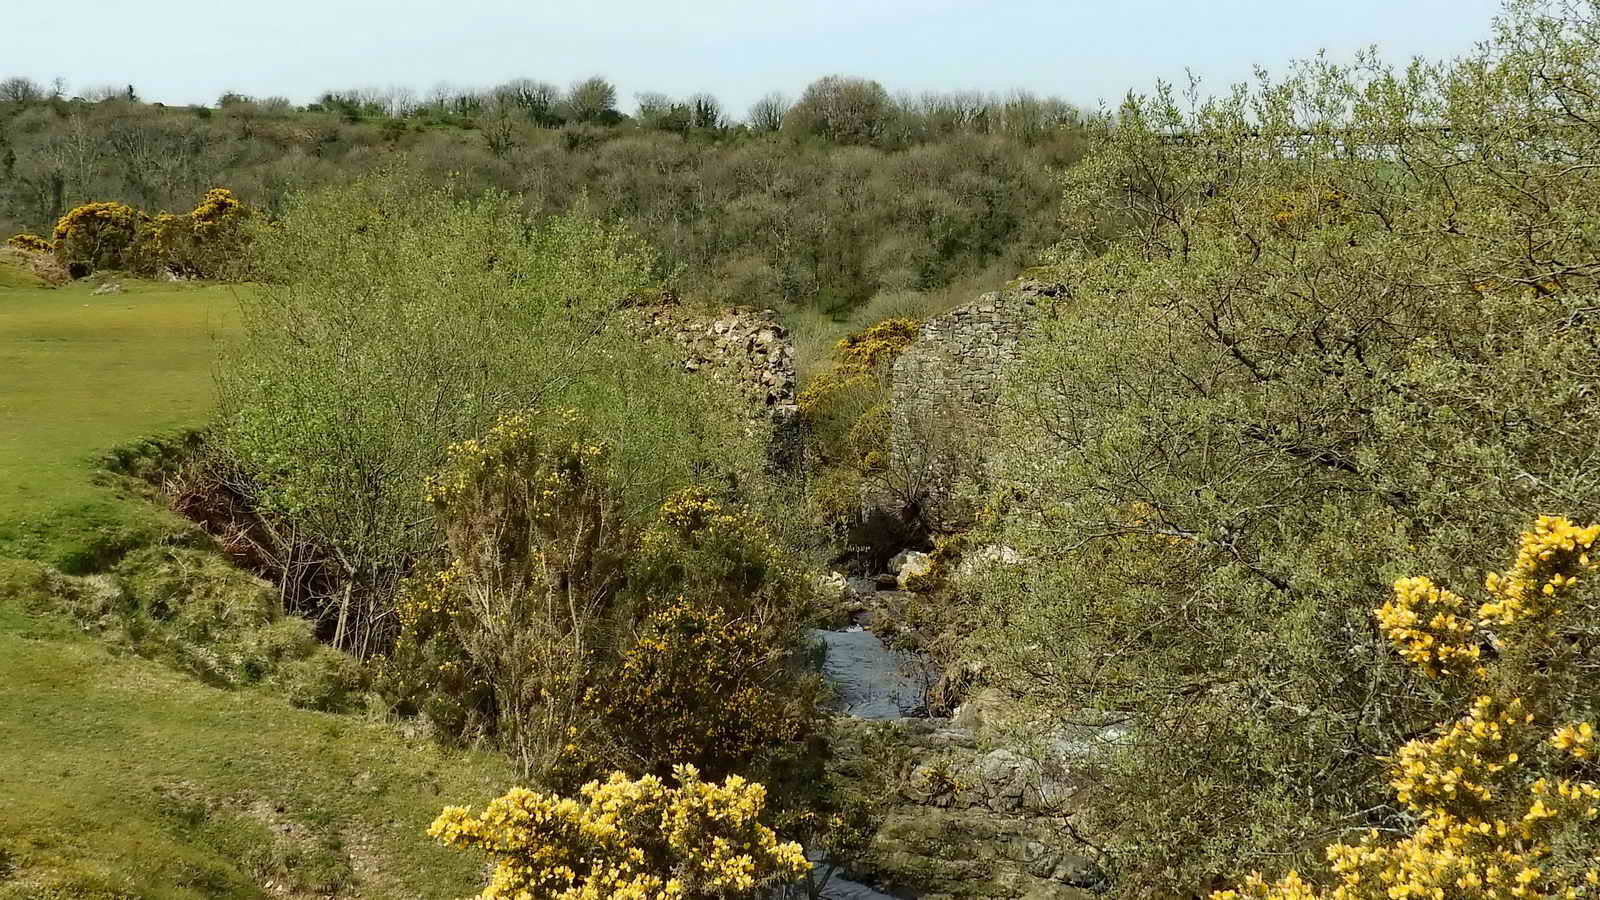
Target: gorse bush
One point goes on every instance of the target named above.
(98, 236)
(1340, 334)
(209, 242)
(702, 688)
(538, 538)
(206, 243)
(701, 545)
(1504, 800)
(554, 629)
(624, 838)
(30, 242)
(846, 406)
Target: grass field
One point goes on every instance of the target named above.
(119, 776)
(122, 778)
(80, 374)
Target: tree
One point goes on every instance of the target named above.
(766, 115)
(1321, 333)
(538, 100)
(592, 100)
(20, 90)
(500, 133)
(657, 110)
(843, 109)
(449, 333)
(705, 112)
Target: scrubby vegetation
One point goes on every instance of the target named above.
(820, 204)
(1341, 332)
(1313, 337)
(1504, 798)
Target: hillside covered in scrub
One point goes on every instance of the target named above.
(818, 204)
(507, 495)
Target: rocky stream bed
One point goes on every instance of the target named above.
(968, 821)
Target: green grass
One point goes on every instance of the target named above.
(122, 776)
(80, 374)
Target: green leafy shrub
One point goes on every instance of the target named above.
(460, 310)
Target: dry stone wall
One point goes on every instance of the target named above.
(947, 387)
(747, 349)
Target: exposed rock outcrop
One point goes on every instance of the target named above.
(970, 822)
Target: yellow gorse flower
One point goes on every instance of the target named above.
(627, 838)
(1485, 789)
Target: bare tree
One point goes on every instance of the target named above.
(501, 134)
(766, 114)
(18, 89)
(651, 107)
(100, 93)
(594, 99)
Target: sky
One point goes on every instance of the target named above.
(1084, 51)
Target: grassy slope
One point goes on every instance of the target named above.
(79, 374)
(118, 776)
(123, 778)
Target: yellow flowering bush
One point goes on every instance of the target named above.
(707, 549)
(1505, 801)
(217, 209)
(162, 244)
(876, 346)
(624, 838)
(30, 242)
(544, 633)
(858, 360)
(847, 409)
(209, 242)
(97, 236)
(206, 243)
(699, 686)
(507, 640)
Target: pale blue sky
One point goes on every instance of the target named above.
(187, 51)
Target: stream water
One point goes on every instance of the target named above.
(870, 681)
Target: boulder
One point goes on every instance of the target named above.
(909, 564)
(834, 587)
(990, 556)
